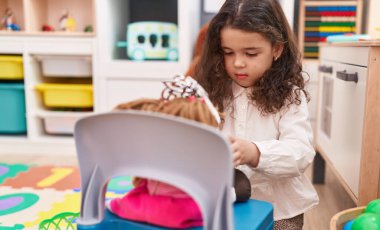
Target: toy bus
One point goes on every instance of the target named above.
(151, 40)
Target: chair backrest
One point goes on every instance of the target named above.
(189, 155)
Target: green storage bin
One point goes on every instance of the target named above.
(12, 109)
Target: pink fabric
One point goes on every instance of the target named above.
(159, 188)
(161, 210)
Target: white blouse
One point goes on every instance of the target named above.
(285, 142)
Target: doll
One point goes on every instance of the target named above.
(66, 22)
(8, 21)
(63, 19)
(163, 204)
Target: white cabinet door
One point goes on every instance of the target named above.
(347, 121)
(120, 91)
(341, 116)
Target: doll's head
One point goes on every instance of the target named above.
(184, 97)
(181, 97)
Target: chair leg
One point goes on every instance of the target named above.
(221, 219)
(92, 207)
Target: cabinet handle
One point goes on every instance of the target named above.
(325, 69)
(343, 75)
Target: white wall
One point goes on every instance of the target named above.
(373, 19)
(288, 7)
(212, 6)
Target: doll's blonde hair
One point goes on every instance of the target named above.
(195, 109)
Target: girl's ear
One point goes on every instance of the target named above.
(277, 51)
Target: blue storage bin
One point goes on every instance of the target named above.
(12, 109)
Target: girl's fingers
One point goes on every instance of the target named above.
(235, 147)
(235, 150)
(236, 158)
(237, 162)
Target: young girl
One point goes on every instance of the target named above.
(159, 203)
(250, 67)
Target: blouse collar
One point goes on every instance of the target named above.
(237, 90)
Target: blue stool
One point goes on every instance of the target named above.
(251, 215)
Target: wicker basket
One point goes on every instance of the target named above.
(338, 220)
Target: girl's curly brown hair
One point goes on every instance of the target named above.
(280, 85)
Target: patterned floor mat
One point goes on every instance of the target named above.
(45, 197)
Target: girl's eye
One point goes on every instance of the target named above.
(227, 52)
(251, 54)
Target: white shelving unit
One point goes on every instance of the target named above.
(114, 78)
(121, 80)
(60, 47)
(36, 140)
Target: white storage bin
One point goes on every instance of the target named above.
(60, 124)
(66, 66)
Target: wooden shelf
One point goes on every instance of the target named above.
(32, 15)
(319, 19)
(41, 12)
(47, 34)
(18, 9)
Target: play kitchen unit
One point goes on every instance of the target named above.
(348, 119)
(64, 60)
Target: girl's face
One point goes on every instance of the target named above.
(247, 55)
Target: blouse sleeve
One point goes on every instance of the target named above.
(293, 152)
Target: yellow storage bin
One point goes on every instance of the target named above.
(11, 68)
(66, 95)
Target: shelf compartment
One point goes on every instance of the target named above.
(65, 66)
(49, 12)
(17, 8)
(12, 110)
(66, 95)
(11, 67)
(119, 15)
(61, 123)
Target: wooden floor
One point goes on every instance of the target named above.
(333, 197)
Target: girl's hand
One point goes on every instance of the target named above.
(244, 152)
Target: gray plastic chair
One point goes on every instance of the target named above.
(191, 156)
